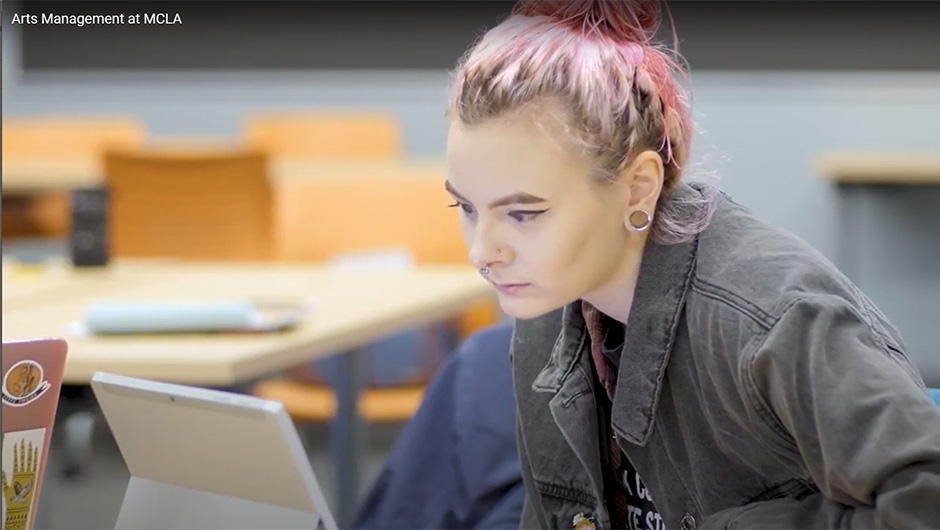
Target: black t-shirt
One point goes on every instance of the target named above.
(629, 502)
(639, 513)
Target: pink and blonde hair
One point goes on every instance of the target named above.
(619, 88)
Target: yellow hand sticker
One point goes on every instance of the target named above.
(19, 490)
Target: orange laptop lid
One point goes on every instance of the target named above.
(32, 378)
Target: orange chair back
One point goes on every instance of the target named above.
(326, 217)
(322, 218)
(206, 204)
(69, 135)
(327, 135)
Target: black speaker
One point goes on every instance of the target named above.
(88, 237)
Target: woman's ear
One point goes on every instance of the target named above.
(643, 180)
(644, 177)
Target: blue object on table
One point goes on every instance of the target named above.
(168, 317)
(935, 394)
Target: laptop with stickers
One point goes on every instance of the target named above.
(201, 458)
(32, 378)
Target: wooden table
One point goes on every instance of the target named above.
(352, 310)
(880, 169)
(25, 176)
(858, 173)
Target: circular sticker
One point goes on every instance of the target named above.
(23, 383)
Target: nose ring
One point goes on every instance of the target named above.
(484, 271)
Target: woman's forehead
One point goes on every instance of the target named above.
(513, 152)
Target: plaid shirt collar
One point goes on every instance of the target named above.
(606, 372)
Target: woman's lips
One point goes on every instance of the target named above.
(510, 288)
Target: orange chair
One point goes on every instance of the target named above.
(316, 402)
(325, 135)
(72, 135)
(203, 203)
(364, 213)
(53, 137)
(326, 217)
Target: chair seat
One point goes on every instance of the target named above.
(318, 403)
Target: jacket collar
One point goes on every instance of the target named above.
(665, 277)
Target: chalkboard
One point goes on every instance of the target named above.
(400, 34)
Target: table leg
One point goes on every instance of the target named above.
(852, 211)
(348, 436)
(78, 443)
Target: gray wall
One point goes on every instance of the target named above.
(758, 133)
(339, 34)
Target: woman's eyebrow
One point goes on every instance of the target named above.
(515, 198)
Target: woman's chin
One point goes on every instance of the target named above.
(524, 309)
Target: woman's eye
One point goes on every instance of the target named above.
(525, 215)
(467, 209)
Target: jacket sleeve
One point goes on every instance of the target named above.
(835, 391)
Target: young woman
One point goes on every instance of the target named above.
(678, 363)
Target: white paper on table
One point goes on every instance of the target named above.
(381, 260)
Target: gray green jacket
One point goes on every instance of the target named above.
(758, 388)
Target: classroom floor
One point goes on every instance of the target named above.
(93, 499)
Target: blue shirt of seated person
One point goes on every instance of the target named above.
(455, 465)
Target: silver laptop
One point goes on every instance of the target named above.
(206, 459)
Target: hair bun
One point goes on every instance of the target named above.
(630, 20)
